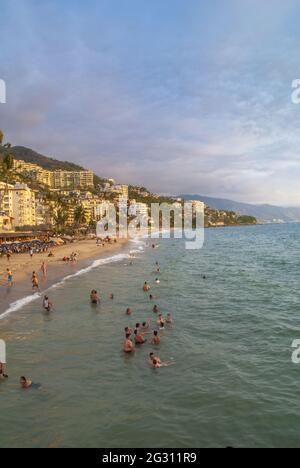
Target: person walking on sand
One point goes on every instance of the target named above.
(44, 269)
(8, 255)
(9, 277)
(31, 252)
(35, 281)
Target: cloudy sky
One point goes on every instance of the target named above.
(188, 96)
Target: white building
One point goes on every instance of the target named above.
(23, 206)
(138, 209)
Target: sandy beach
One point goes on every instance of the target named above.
(22, 266)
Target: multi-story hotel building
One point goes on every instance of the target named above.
(56, 179)
(73, 180)
(17, 202)
(23, 204)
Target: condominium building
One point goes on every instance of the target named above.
(56, 179)
(6, 199)
(17, 202)
(91, 208)
(22, 166)
(70, 179)
(23, 206)
(116, 190)
(5, 222)
(197, 204)
(44, 177)
(138, 209)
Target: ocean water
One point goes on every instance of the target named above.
(232, 383)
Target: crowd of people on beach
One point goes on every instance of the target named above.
(33, 247)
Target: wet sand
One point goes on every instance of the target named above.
(22, 267)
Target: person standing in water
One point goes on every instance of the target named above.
(169, 319)
(47, 304)
(9, 277)
(35, 281)
(94, 297)
(155, 340)
(146, 287)
(139, 337)
(3, 374)
(128, 345)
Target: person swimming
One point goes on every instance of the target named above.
(128, 345)
(157, 281)
(25, 383)
(128, 311)
(146, 287)
(94, 297)
(112, 296)
(157, 365)
(155, 309)
(151, 297)
(152, 357)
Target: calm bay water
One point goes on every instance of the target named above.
(233, 383)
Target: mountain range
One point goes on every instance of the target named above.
(263, 213)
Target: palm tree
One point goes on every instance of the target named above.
(80, 215)
(60, 219)
(7, 156)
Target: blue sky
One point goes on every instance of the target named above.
(186, 96)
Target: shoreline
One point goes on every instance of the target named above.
(23, 266)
